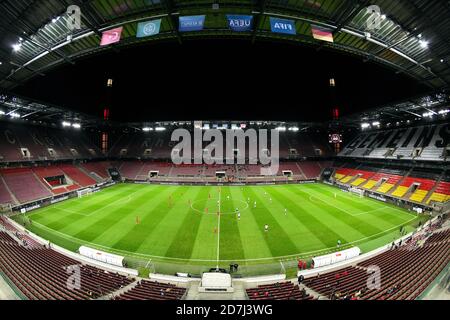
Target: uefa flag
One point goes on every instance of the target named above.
(240, 23)
(111, 36)
(148, 28)
(320, 33)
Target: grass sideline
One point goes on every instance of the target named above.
(172, 229)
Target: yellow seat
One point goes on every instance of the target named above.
(400, 191)
(385, 187)
(346, 179)
(438, 197)
(339, 176)
(370, 184)
(418, 195)
(358, 182)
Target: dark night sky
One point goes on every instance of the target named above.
(220, 80)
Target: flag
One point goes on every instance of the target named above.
(111, 36)
(240, 23)
(191, 23)
(148, 28)
(321, 33)
(282, 26)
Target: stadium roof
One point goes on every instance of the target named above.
(17, 108)
(412, 36)
(432, 107)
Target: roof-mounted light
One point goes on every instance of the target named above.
(16, 47)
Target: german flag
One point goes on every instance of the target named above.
(323, 34)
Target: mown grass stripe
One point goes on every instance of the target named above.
(150, 212)
(182, 245)
(276, 238)
(230, 242)
(353, 222)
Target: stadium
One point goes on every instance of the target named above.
(119, 181)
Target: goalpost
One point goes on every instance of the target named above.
(84, 192)
(357, 191)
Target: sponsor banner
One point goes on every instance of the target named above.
(240, 23)
(191, 23)
(109, 184)
(59, 199)
(31, 208)
(148, 28)
(304, 181)
(377, 197)
(141, 182)
(284, 26)
(111, 36)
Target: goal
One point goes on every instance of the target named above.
(357, 191)
(84, 192)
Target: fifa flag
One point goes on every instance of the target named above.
(111, 36)
(191, 23)
(321, 33)
(148, 28)
(240, 23)
(282, 26)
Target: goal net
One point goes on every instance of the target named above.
(357, 191)
(84, 192)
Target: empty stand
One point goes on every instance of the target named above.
(278, 291)
(42, 274)
(150, 290)
(77, 175)
(405, 271)
(16, 179)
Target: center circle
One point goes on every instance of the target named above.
(211, 204)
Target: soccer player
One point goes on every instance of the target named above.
(239, 216)
(338, 243)
(285, 211)
(254, 205)
(266, 228)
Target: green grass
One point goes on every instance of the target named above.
(177, 234)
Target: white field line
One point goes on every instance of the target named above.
(311, 198)
(218, 231)
(114, 203)
(147, 256)
(141, 255)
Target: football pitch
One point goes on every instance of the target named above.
(217, 225)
